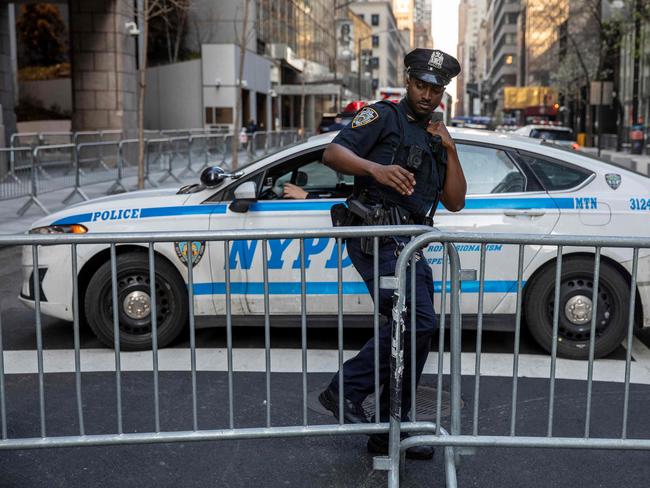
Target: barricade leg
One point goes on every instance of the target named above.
(147, 167)
(118, 186)
(169, 173)
(188, 169)
(77, 188)
(397, 448)
(33, 199)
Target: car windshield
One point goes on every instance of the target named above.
(552, 135)
(594, 157)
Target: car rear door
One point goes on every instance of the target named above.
(503, 196)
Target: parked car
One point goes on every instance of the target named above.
(557, 134)
(515, 185)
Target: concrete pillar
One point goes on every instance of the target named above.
(104, 76)
(7, 88)
(268, 123)
(310, 113)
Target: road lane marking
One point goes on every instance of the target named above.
(318, 361)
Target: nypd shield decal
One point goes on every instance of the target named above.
(365, 117)
(613, 180)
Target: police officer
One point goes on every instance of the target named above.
(403, 165)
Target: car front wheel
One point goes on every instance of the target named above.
(134, 302)
(576, 308)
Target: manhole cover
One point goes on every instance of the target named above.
(425, 403)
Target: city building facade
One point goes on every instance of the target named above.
(388, 44)
(470, 15)
(503, 18)
(422, 24)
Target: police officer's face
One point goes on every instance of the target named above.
(423, 97)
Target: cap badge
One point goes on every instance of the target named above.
(436, 59)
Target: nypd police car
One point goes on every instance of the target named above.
(515, 185)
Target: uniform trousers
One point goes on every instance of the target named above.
(358, 372)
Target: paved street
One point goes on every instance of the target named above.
(328, 461)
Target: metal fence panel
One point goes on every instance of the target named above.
(17, 181)
(447, 432)
(460, 438)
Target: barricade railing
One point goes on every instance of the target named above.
(232, 422)
(17, 181)
(461, 440)
(177, 158)
(100, 156)
(95, 162)
(52, 169)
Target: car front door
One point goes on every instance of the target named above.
(325, 188)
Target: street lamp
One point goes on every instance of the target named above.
(359, 41)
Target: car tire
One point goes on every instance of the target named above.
(574, 324)
(134, 301)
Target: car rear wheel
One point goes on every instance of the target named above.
(576, 308)
(134, 302)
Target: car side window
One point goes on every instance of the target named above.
(554, 175)
(311, 175)
(489, 170)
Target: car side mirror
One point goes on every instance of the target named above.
(213, 176)
(301, 178)
(245, 194)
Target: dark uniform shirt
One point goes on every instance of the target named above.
(374, 134)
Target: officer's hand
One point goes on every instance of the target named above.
(439, 129)
(395, 177)
(293, 191)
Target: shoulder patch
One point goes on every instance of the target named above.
(365, 117)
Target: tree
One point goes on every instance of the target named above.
(146, 11)
(242, 41)
(166, 34)
(593, 41)
(43, 34)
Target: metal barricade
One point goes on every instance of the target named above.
(95, 162)
(54, 138)
(205, 149)
(233, 422)
(158, 155)
(178, 157)
(25, 139)
(17, 181)
(52, 169)
(87, 136)
(462, 439)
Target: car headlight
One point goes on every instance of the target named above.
(59, 229)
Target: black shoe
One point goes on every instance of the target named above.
(352, 413)
(378, 444)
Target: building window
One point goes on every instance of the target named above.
(509, 59)
(374, 19)
(375, 41)
(375, 83)
(362, 16)
(374, 62)
(218, 115)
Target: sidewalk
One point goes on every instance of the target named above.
(12, 223)
(635, 162)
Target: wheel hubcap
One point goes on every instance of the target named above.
(578, 309)
(137, 305)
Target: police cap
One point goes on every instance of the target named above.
(431, 66)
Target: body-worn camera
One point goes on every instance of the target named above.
(414, 158)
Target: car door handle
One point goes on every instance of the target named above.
(524, 213)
